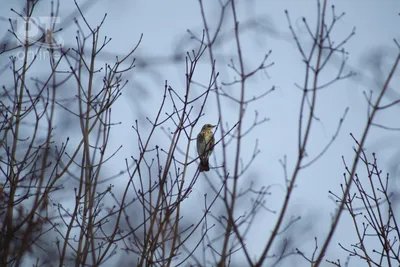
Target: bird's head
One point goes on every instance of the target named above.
(207, 127)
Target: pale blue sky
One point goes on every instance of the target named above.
(164, 25)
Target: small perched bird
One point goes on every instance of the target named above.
(205, 145)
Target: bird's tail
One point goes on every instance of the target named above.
(204, 166)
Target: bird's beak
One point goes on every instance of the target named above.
(214, 126)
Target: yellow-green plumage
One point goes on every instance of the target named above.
(205, 145)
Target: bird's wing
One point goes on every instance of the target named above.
(200, 144)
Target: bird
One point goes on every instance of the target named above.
(205, 146)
